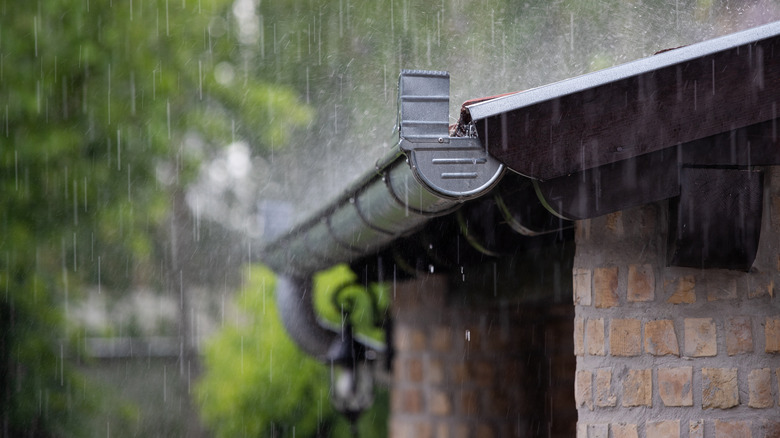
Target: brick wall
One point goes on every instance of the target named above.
(488, 370)
(674, 352)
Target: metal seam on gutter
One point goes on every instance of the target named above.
(365, 220)
(341, 243)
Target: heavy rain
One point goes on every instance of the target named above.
(159, 160)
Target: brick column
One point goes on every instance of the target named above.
(479, 370)
(674, 352)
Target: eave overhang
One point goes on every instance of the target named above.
(654, 129)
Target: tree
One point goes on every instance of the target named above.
(107, 109)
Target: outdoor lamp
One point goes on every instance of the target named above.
(352, 380)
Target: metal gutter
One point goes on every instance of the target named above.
(427, 174)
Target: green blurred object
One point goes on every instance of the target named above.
(257, 382)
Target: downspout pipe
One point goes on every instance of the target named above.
(427, 174)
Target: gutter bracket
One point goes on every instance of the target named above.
(452, 167)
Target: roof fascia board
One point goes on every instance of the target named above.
(669, 98)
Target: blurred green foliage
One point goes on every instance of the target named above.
(258, 383)
(99, 103)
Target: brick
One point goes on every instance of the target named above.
(598, 430)
(440, 403)
(663, 429)
(614, 223)
(414, 370)
(760, 287)
(625, 337)
(408, 401)
(483, 373)
(485, 430)
(605, 284)
(423, 429)
(660, 338)
(769, 428)
(579, 336)
(638, 388)
(731, 429)
(594, 336)
(622, 430)
(641, 283)
(696, 429)
(582, 288)
(684, 290)
(604, 396)
(409, 339)
(583, 389)
(675, 386)
(435, 371)
(739, 335)
(722, 290)
(760, 388)
(719, 388)
(582, 430)
(460, 373)
(772, 335)
(700, 337)
(441, 339)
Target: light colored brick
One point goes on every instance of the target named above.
(719, 388)
(732, 429)
(582, 288)
(623, 430)
(638, 388)
(739, 335)
(594, 336)
(700, 337)
(772, 335)
(579, 336)
(410, 339)
(660, 338)
(625, 337)
(684, 290)
(440, 403)
(641, 283)
(582, 430)
(696, 429)
(760, 388)
(663, 429)
(675, 386)
(600, 430)
(725, 289)
(605, 287)
(604, 396)
(583, 389)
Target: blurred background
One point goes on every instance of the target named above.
(141, 141)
